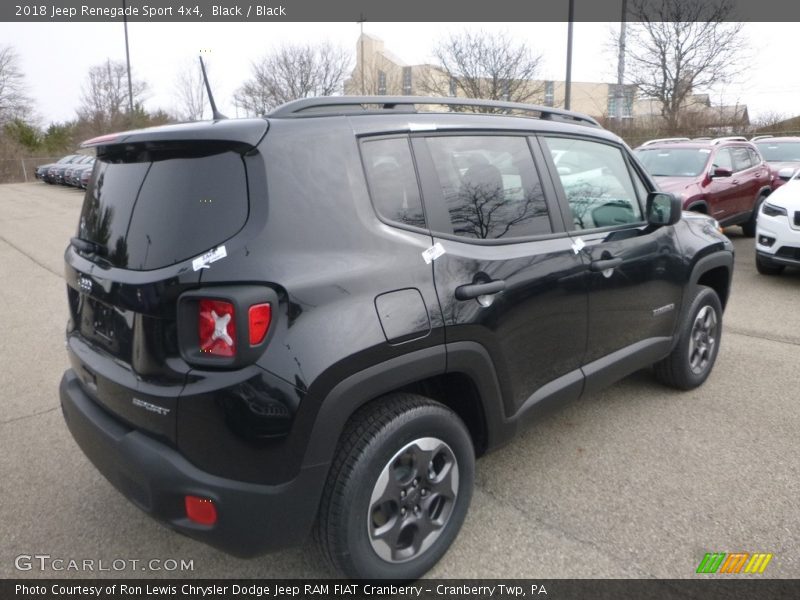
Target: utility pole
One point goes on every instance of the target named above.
(128, 60)
(568, 81)
(620, 92)
(361, 42)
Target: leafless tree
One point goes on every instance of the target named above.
(105, 94)
(14, 102)
(293, 71)
(190, 92)
(479, 65)
(678, 47)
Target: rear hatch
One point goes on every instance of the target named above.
(157, 200)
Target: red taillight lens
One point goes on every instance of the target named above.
(201, 510)
(217, 328)
(259, 318)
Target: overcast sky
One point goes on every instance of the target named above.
(56, 56)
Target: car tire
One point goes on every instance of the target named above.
(398, 489)
(749, 226)
(766, 267)
(691, 361)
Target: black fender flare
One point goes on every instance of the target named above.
(722, 258)
(350, 394)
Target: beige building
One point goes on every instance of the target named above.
(379, 72)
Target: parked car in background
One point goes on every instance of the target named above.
(86, 174)
(782, 155)
(55, 174)
(72, 176)
(778, 229)
(41, 172)
(725, 178)
(75, 168)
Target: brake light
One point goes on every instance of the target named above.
(217, 328)
(259, 318)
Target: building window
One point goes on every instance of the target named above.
(506, 90)
(627, 110)
(406, 81)
(453, 87)
(626, 96)
(549, 93)
(381, 83)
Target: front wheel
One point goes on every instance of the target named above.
(691, 361)
(398, 490)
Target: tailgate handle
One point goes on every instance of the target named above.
(473, 290)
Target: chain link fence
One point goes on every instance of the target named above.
(18, 170)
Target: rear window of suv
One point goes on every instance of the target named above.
(152, 209)
(674, 162)
(780, 151)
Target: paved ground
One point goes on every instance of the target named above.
(638, 481)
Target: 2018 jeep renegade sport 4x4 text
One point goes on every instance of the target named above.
(316, 320)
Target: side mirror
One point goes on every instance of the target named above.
(721, 172)
(786, 173)
(663, 209)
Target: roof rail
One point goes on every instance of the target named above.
(760, 137)
(666, 141)
(703, 138)
(729, 138)
(349, 105)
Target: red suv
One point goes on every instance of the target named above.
(725, 178)
(782, 155)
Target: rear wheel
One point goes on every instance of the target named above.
(398, 490)
(690, 363)
(766, 267)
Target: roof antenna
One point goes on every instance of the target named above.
(214, 112)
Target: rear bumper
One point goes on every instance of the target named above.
(252, 518)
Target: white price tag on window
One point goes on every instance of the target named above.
(202, 262)
(432, 253)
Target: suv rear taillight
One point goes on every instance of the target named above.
(225, 327)
(217, 328)
(259, 318)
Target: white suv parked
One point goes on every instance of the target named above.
(778, 229)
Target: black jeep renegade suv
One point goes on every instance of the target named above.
(316, 320)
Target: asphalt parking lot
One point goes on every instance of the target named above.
(637, 481)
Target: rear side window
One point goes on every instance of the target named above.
(393, 181)
(490, 186)
(596, 182)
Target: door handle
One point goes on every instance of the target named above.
(735, 182)
(473, 290)
(604, 264)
